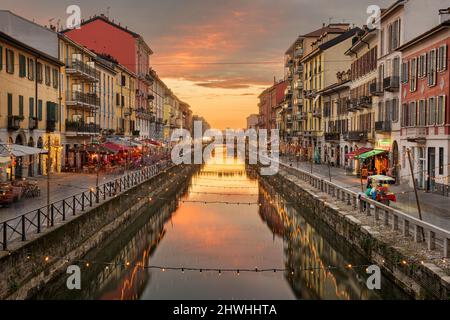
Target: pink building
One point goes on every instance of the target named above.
(104, 36)
(425, 112)
(269, 100)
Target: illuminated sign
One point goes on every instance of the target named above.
(384, 144)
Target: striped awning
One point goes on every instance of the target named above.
(17, 150)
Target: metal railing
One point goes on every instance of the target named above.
(410, 227)
(44, 218)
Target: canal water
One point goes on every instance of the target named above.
(224, 218)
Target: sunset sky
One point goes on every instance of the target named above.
(217, 55)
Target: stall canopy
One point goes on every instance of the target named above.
(369, 154)
(16, 150)
(356, 153)
(114, 147)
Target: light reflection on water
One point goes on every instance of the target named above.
(267, 233)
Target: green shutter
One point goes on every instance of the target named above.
(10, 104)
(51, 111)
(21, 106)
(40, 110)
(22, 66)
(31, 111)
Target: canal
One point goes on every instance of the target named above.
(228, 220)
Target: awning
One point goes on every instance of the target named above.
(369, 154)
(356, 153)
(152, 142)
(92, 148)
(17, 150)
(115, 147)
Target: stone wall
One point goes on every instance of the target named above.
(419, 280)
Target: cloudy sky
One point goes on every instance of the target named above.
(217, 55)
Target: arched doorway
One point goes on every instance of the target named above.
(19, 160)
(31, 159)
(395, 162)
(40, 144)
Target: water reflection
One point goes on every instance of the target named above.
(193, 230)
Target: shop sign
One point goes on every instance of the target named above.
(384, 144)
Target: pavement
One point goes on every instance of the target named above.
(62, 185)
(435, 208)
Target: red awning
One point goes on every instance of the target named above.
(355, 153)
(116, 147)
(153, 142)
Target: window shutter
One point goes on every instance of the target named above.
(31, 108)
(40, 110)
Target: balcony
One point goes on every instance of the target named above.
(33, 123)
(417, 135)
(356, 136)
(383, 126)
(82, 71)
(391, 84)
(376, 89)
(365, 102)
(299, 69)
(80, 128)
(128, 112)
(332, 136)
(51, 125)
(14, 122)
(298, 53)
(317, 114)
(82, 100)
(289, 63)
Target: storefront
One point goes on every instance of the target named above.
(374, 162)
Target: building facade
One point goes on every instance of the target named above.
(30, 98)
(425, 115)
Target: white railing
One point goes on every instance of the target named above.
(406, 225)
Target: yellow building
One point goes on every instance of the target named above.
(30, 115)
(326, 58)
(125, 97)
(80, 101)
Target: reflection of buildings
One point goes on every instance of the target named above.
(305, 248)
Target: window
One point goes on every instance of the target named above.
(422, 114)
(405, 72)
(10, 104)
(55, 77)
(395, 110)
(412, 114)
(9, 61)
(394, 35)
(440, 120)
(1, 57)
(432, 68)
(39, 110)
(413, 83)
(431, 112)
(30, 63)
(31, 108)
(47, 76)
(123, 81)
(22, 66)
(422, 66)
(442, 58)
(441, 161)
(39, 75)
(21, 106)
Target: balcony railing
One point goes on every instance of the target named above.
(416, 134)
(332, 136)
(365, 102)
(51, 125)
(383, 126)
(376, 89)
(391, 84)
(14, 122)
(317, 114)
(357, 136)
(81, 99)
(298, 53)
(81, 70)
(82, 128)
